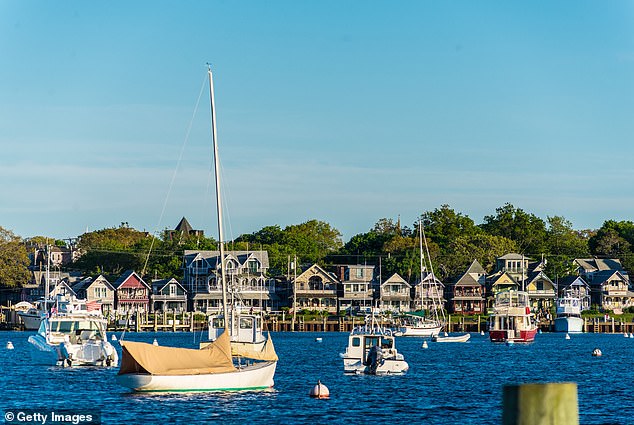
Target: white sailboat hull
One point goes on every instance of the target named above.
(258, 376)
(569, 324)
(420, 331)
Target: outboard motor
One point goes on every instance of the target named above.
(375, 356)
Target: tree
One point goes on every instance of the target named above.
(479, 246)
(564, 244)
(527, 230)
(312, 240)
(14, 260)
(444, 225)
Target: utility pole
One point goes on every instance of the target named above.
(294, 267)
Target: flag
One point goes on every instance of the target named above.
(93, 306)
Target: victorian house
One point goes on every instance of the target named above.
(394, 294)
(245, 276)
(575, 287)
(357, 287)
(588, 267)
(498, 282)
(131, 293)
(314, 289)
(428, 293)
(97, 289)
(168, 295)
(610, 290)
(467, 294)
(541, 292)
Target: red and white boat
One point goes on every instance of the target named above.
(511, 319)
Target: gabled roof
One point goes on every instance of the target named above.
(89, 281)
(159, 285)
(569, 281)
(127, 275)
(212, 258)
(596, 264)
(606, 275)
(395, 278)
(532, 276)
(316, 269)
(476, 267)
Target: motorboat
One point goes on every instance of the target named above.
(511, 319)
(32, 317)
(73, 335)
(569, 315)
(451, 338)
(372, 350)
(246, 334)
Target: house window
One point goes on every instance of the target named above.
(253, 266)
(172, 289)
(540, 285)
(359, 273)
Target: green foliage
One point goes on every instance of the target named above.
(14, 260)
(527, 230)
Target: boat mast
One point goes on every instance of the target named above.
(218, 201)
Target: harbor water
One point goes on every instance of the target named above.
(447, 383)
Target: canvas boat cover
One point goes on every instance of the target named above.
(267, 353)
(139, 357)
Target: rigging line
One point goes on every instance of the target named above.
(171, 185)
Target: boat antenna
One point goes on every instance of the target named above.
(218, 199)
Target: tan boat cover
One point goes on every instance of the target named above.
(139, 357)
(267, 353)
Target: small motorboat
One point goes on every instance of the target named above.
(456, 338)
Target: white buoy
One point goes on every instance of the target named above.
(318, 339)
(445, 334)
(567, 336)
(540, 331)
(597, 353)
(320, 391)
(10, 345)
(424, 344)
(114, 337)
(481, 332)
(510, 342)
(631, 335)
(626, 335)
(155, 342)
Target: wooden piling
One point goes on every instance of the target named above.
(541, 404)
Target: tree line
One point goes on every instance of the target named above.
(453, 239)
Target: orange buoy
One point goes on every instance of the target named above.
(320, 391)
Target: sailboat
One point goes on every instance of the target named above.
(415, 325)
(150, 368)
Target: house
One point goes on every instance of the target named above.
(497, 282)
(246, 277)
(168, 294)
(541, 292)
(610, 290)
(588, 267)
(184, 230)
(96, 289)
(315, 289)
(428, 293)
(131, 293)
(357, 287)
(467, 294)
(576, 287)
(394, 294)
(515, 265)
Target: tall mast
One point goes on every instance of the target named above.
(218, 201)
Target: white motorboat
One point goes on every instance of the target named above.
(246, 334)
(511, 320)
(451, 338)
(73, 336)
(34, 315)
(569, 315)
(372, 350)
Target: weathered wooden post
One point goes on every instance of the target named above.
(541, 404)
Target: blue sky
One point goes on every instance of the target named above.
(342, 111)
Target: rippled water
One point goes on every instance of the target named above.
(446, 384)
